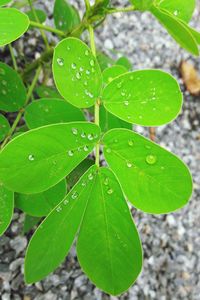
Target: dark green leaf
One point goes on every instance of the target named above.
(112, 72)
(6, 208)
(153, 179)
(4, 127)
(51, 111)
(156, 104)
(39, 205)
(12, 90)
(29, 223)
(54, 237)
(108, 247)
(74, 66)
(13, 24)
(104, 60)
(40, 15)
(47, 92)
(123, 61)
(40, 158)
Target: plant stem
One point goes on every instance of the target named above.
(13, 57)
(36, 19)
(87, 5)
(47, 28)
(97, 104)
(20, 113)
(118, 10)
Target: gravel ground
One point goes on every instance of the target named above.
(171, 242)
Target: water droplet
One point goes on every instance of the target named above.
(151, 159)
(83, 135)
(75, 131)
(123, 93)
(81, 69)
(85, 148)
(60, 61)
(87, 72)
(73, 66)
(4, 92)
(108, 150)
(92, 63)
(176, 12)
(110, 191)
(90, 176)
(58, 209)
(66, 201)
(86, 52)
(83, 183)
(106, 181)
(4, 82)
(78, 75)
(116, 141)
(2, 72)
(162, 168)
(126, 103)
(31, 157)
(74, 195)
(90, 136)
(130, 143)
(119, 85)
(129, 164)
(70, 153)
(85, 83)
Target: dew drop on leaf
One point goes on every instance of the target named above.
(74, 195)
(70, 153)
(2, 72)
(129, 164)
(74, 131)
(85, 148)
(130, 143)
(92, 63)
(90, 136)
(110, 191)
(78, 75)
(31, 157)
(86, 52)
(126, 102)
(60, 62)
(151, 159)
(108, 150)
(4, 82)
(106, 181)
(58, 209)
(90, 176)
(73, 66)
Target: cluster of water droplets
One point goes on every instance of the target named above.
(106, 182)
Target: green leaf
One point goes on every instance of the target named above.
(12, 89)
(40, 158)
(39, 205)
(142, 4)
(3, 2)
(4, 127)
(6, 208)
(194, 32)
(47, 92)
(40, 15)
(13, 24)
(108, 247)
(104, 60)
(54, 237)
(153, 179)
(109, 121)
(51, 111)
(112, 72)
(76, 174)
(66, 17)
(176, 29)
(147, 97)
(182, 9)
(29, 223)
(74, 66)
(123, 61)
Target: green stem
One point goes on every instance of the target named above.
(97, 104)
(118, 10)
(87, 5)
(47, 28)
(13, 57)
(36, 19)
(21, 112)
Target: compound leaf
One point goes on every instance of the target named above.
(152, 178)
(179, 8)
(176, 29)
(50, 111)
(76, 68)
(12, 89)
(13, 24)
(4, 127)
(6, 208)
(54, 237)
(39, 205)
(112, 72)
(108, 242)
(40, 158)
(65, 15)
(147, 97)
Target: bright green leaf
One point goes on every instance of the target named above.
(147, 97)
(54, 237)
(66, 17)
(182, 9)
(40, 158)
(108, 247)
(39, 205)
(12, 90)
(47, 92)
(109, 121)
(40, 15)
(13, 24)
(3, 2)
(29, 223)
(4, 127)
(76, 68)
(110, 73)
(142, 4)
(176, 29)
(6, 208)
(123, 61)
(153, 179)
(51, 111)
